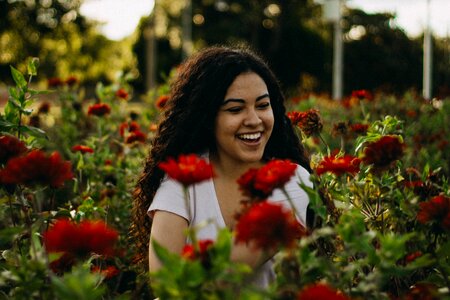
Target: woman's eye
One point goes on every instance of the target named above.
(264, 105)
(234, 109)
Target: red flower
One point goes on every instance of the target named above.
(99, 109)
(44, 108)
(260, 183)
(188, 169)
(131, 126)
(359, 128)
(384, 151)
(136, 136)
(338, 165)
(294, 116)
(82, 149)
(362, 94)
(320, 291)
(71, 80)
(37, 168)
(108, 272)
(437, 209)
(269, 226)
(80, 240)
(122, 94)
(412, 256)
(10, 147)
(310, 122)
(54, 82)
(202, 252)
(161, 102)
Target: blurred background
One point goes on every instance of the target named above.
(382, 45)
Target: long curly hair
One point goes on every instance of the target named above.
(187, 125)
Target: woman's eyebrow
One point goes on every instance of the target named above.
(239, 100)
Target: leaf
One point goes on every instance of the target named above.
(18, 78)
(32, 66)
(33, 131)
(167, 258)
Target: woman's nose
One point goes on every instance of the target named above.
(252, 118)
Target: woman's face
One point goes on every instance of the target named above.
(245, 121)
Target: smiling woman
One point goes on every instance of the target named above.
(119, 18)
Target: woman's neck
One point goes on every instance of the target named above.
(230, 169)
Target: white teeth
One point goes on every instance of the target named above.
(250, 136)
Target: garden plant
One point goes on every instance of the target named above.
(380, 206)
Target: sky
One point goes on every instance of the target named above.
(121, 17)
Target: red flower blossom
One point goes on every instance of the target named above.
(63, 264)
(384, 151)
(359, 128)
(161, 102)
(71, 80)
(37, 168)
(130, 126)
(294, 116)
(261, 182)
(269, 226)
(188, 169)
(99, 109)
(108, 272)
(362, 94)
(122, 94)
(82, 149)
(412, 256)
(320, 291)
(310, 122)
(80, 240)
(44, 108)
(338, 165)
(436, 210)
(10, 147)
(54, 82)
(136, 136)
(189, 251)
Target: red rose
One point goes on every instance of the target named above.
(122, 94)
(99, 109)
(188, 169)
(320, 291)
(80, 240)
(82, 149)
(161, 102)
(10, 147)
(437, 209)
(37, 168)
(269, 226)
(384, 151)
(260, 183)
(136, 136)
(338, 165)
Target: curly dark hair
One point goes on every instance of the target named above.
(187, 125)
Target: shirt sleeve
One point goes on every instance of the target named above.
(169, 197)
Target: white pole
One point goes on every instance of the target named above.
(427, 57)
(338, 57)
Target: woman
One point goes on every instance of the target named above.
(225, 105)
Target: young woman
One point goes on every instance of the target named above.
(226, 106)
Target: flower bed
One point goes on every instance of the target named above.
(381, 201)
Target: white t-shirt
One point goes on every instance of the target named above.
(206, 215)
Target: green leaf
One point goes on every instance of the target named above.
(18, 78)
(167, 258)
(33, 131)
